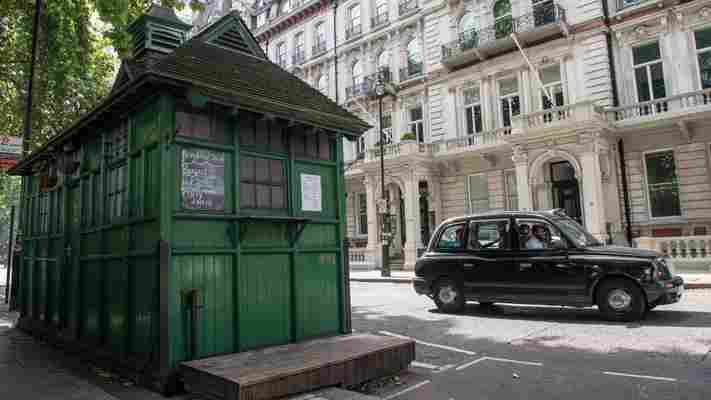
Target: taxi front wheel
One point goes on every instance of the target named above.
(621, 300)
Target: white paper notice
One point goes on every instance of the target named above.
(311, 193)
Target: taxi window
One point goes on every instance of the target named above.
(488, 235)
(452, 238)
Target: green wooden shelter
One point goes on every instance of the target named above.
(198, 210)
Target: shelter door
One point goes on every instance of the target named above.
(71, 258)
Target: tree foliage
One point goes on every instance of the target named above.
(80, 43)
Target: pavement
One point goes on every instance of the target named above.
(542, 353)
(691, 281)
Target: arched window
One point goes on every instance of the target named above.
(503, 21)
(414, 59)
(357, 73)
(384, 60)
(285, 6)
(468, 30)
(323, 84)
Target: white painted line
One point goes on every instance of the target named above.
(439, 346)
(424, 365)
(445, 367)
(470, 363)
(507, 360)
(656, 378)
(410, 389)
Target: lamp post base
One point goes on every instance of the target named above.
(385, 265)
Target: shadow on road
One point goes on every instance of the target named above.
(656, 317)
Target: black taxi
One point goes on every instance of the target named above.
(541, 257)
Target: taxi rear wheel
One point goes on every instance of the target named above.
(448, 296)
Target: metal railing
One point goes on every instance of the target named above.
(353, 31)
(488, 138)
(298, 58)
(359, 89)
(379, 20)
(543, 14)
(412, 70)
(318, 49)
(406, 6)
(648, 109)
(679, 247)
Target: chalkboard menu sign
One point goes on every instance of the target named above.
(203, 183)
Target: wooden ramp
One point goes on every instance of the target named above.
(295, 368)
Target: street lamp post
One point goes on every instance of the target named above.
(384, 206)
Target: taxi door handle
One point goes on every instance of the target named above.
(525, 265)
(468, 265)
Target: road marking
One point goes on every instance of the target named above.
(424, 365)
(656, 378)
(508, 360)
(439, 346)
(445, 367)
(470, 363)
(411, 388)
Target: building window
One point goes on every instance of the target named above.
(509, 100)
(472, 111)
(362, 209)
(281, 54)
(353, 26)
(381, 11)
(662, 184)
(414, 59)
(320, 35)
(703, 48)
(416, 123)
(206, 123)
(261, 19)
(468, 31)
(285, 6)
(262, 183)
(357, 74)
(360, 147)
(503, 20)
(511, 190)
(649, 76)
(315, 147)
(477, 191)
(553, 84)
(323, 84)
(299, 55)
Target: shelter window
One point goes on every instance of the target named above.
(313, 146)
(263, 183)
(262, 135)
(116, 183)
(207, 123)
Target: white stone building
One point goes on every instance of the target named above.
(470, 127)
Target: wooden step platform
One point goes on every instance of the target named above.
(281, 371)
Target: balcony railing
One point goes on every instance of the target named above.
(683, 103)
(582, 112)
(469, 142)
(360, 256)
(411, 71)
(318, 49)
(367, 86)
(359, 89)
(298, 58)
(406, 7)
(379, 20)
(486, 40)
(353, 31)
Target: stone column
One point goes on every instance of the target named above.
(412, 220)
(591, 180)
(523, 188)
(372, 194)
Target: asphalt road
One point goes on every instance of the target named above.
(526, 352)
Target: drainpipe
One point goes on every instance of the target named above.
(335, 48)
(620, 142)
